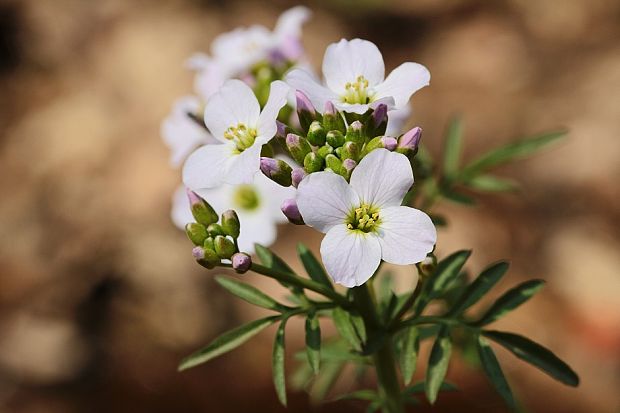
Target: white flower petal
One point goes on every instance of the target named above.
(403, 82)
(350, 257)
(382, 178)
(234, 103)
(271, 196)
(304, 81)
(396, 120)
(207, 166)
(220, 197)
(290, 22)
(266, 126)
(255, 228)
(244, 166)
(346, 60)
(406, 235)
(324, 200)
(180, 212)
(358, 108)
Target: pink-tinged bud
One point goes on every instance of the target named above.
(389, 143)
(379, 115)
(349, 165)
(281, 129)
(330, 109)
(277, 170)
(305, 110)
(201, 210)
(241, 262)
(198, 253)
(408, 143)
(297, 175)
(291, 212)
(332, 121)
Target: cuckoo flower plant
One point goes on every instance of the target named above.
(234, 117)
(355, 79)
(364, 221)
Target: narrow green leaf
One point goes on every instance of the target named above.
(313, 267)
(409, 353)
(271, 260)
(510, 152)
(226, 342)
(457, 197)
(511, 300)
(536, 355)
(345, 328)
(446, 272)
(365, 394)
(452, 148)
(277, 366)
(438, 364)
(480, 286)
(249, 293)
(420, 386)
(494, 371)
(313, 341)
(325, 381)
(490, 183)
(374, 406)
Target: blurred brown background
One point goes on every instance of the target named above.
(99, 296)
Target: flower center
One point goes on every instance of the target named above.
(241, 135)
(356, 92)
(365, 218)
(245, 197)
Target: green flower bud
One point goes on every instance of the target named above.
(206, 257)
(316, 134)
(230, 223)
(277, 170)
(373, 144)
(201, 210)
(335, 138)
(324, 151)
(332, 120)
(208, 244)
(350, 150)
(355, 133)
(215, 229)
(298, 147)
(338, 152)
(333, 162)
(224, 248)
(313, 163)
(305, 110)
(197, 233)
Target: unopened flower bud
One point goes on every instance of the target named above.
(389, 143)
(355, 132)
(313, 163)
(298, 147)
(215, 229)
(428, 265)
(297, 175)
(230, 223)
(316, 134)
(281, 130)
(208, 244)
(376, 143)
(197, 233)
(206, 257)
(331, 118)
(348, 165)
(408, 143)
(350, 150)
(325, 150)
(201, 210)
(335, 138)
(305, 110)
(241, 262)
(378, 120)
(333, 162)
(224, 248)
(291, 212)
(277, 170)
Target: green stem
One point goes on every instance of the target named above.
(383, 359)
(293, 279)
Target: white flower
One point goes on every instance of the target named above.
(181, 133)
(234, 118)
(396, 120)
(354, 76)
(257, 205)
(364, 221)
(210, 74)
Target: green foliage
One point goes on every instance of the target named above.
(313, 341)
(494, 371)
(480, 286)
(409, 353)
(277, 363)
(511, 300)
(227, 341)
(438, 364)
(313, 267)
(446, 272)
(250, 294)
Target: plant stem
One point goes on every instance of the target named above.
(383, 359)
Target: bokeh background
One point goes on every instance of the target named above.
(99, 295)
